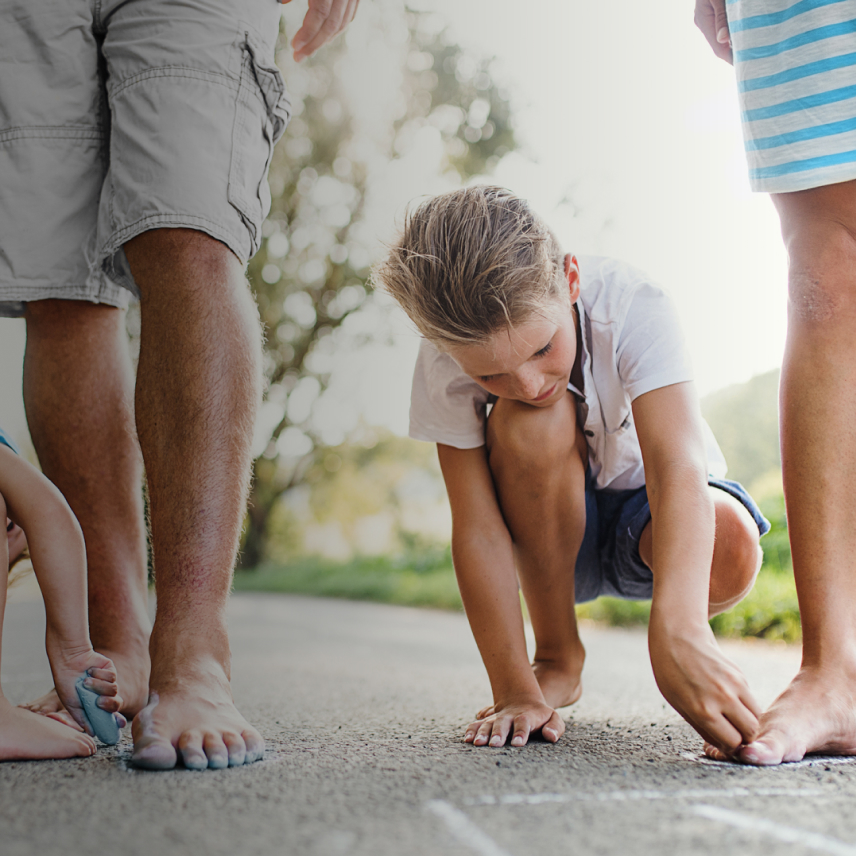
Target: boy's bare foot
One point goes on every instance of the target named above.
(191, 716)
(815, 714)
(24, 735)
(132, 675)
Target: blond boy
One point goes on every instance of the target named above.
(559, 393)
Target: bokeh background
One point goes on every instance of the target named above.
(620, 126)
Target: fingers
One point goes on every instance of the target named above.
(554, 728)
(324, 20)
(495, 730)
(711, 19)
(520, 735)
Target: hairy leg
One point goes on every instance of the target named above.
(817, 712)
(198, 388)
(78, 392)
(736, 554)
(538, 461)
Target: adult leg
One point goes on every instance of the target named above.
(78, 392)
(736, 553)
(538, 461)
(198, 388)
(817, 712)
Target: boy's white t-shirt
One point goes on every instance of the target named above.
(632, 344)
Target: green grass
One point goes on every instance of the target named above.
(427, 579)
(380, 579)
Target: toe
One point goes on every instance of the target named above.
(154, 754)
(767, 750)
(255, 745)
(87, 745)
(65, 718)
(236, 748)
(190, 748)
(215, 752)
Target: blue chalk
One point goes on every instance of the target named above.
(103, 723)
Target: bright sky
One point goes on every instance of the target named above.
(623, 109)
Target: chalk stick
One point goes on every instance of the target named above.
(103, 723)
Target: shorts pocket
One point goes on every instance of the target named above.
(262, 111)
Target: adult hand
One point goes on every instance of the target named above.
(324, 20)
(519, 719)
(704, 687)
(711, 20)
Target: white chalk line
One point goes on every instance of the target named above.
(464, 830)
(788, 834)
(810, 761)
(633, 796)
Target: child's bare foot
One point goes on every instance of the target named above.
(815, 714)
(24, 735)
(191, 715)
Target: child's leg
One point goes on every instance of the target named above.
(26, 735)
(736, 554)
(537, 457)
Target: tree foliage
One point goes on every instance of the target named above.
(310, 276)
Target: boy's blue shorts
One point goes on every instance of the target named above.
(609, 562)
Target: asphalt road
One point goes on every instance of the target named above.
(363, 707)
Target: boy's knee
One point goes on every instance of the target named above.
(532, 437)
(737, 554)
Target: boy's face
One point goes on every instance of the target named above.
(16, 538)
(531, 362)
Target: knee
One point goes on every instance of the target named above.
(534, 439)
(737, 554)
(821, 259)
(169, 261)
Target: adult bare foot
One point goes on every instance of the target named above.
(24, 735)
(815, 714)
(132, 675)
(192, 717)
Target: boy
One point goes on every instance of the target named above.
(576, 461)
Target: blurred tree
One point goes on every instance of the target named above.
(310, 275)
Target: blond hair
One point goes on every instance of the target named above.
(472, 262)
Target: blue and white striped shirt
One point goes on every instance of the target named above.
(796, 73)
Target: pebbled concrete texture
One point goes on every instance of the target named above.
(363, 708)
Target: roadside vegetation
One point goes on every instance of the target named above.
(393, 485)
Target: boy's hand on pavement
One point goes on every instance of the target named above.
(704, 687)
(710, 18)
(517, 719)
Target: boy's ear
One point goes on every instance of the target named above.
(572, 272)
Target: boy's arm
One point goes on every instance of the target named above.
(697, 680)
(484, 565)
(58, 556)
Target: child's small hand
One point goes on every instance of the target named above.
(519, 719)
(704, 687)
(100, 673)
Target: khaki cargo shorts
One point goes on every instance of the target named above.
(120, 116)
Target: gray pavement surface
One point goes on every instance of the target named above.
(363, 707)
